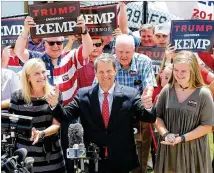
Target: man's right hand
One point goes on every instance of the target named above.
(28, 23)
(53, 96)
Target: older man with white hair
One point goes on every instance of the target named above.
(135, 70)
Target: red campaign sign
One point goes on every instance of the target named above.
(10, 30)
(156, 54)
(54, 19)
(100, 21)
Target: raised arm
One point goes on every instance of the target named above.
(69, 45)
(86, 38)
(21, 41)
(123, 21)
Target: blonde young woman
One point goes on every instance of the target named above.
(185, 113)
(44, 144)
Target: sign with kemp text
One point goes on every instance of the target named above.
(194, 35)
(10, 30)
(54, 19)
(155, 53)
(100, 21)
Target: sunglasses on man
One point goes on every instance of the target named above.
(51, 43)
(97, 44)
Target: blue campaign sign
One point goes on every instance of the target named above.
(195, 35)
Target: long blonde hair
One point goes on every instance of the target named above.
(29, 67)
(188, 57)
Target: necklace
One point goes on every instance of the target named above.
(183, 88)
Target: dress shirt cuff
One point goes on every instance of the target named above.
(52, 108)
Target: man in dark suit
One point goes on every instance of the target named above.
(106, 112)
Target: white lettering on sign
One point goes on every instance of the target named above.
(191, 43)
(55, 27)
(13, 30)
(5, 137)
(96, 19)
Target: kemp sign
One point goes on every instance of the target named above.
(55, 19)
(100, 21)
(156, 54)
(10, 30)
(195, 35)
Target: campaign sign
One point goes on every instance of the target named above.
(155, 53)
(195, 35)
(54, 19)
(10, 30)
(100, 21)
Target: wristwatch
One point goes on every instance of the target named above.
(164, 136)
(183, 139)
(42, 135)
(85, 31)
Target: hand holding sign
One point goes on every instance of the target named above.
(116, 32)
(53, 96)
(7, 52)
(81, 22)
(28, 23)
(170, 52)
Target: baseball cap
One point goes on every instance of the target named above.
(162, 29)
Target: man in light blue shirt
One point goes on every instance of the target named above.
(135, 70)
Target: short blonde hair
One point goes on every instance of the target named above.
(146, 27)
(29, 67)
(188, 57)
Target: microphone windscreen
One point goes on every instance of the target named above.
(21, 153)
(29, 161)
(75, 134)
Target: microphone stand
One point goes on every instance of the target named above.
(96, 161)
(75, 166)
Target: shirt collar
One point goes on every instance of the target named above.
(110, 91)
(132, 66)
(47, 58)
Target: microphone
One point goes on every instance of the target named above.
(76, 147)
(29, 163)
(20, 154)
(75, 134)
(11, 164)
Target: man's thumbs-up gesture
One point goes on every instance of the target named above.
(147, 97)
(53, 96)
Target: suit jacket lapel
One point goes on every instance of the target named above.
(116, 105)
(95, 106)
